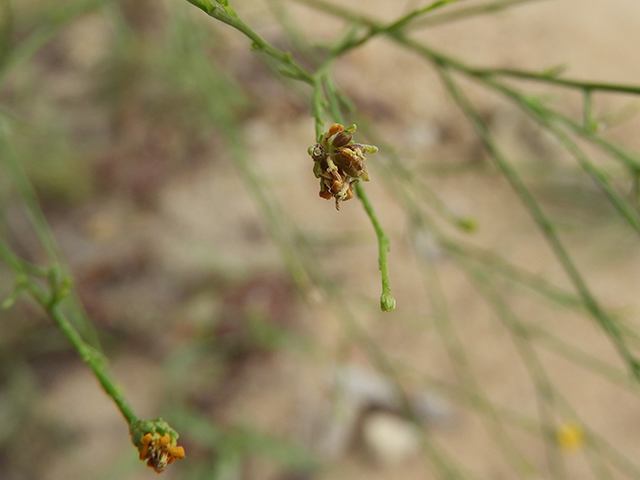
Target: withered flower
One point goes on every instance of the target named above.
(350, 159)
(157, 443)
(339, 162)
(159, 451)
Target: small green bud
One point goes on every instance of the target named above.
(369, 149)
(387, 302)
(351, 128)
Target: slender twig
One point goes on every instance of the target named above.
(607, 323)
(324, 95)
(466, 12)
(58, 291)
(544, 117)
(289, 66)
(50, 301)
(545, 77)
(387, 302)
(390, 28)
(41, 228)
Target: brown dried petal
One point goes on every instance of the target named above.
(326, 194)
(351, 160)
(342, 138)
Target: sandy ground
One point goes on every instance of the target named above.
(206, 226)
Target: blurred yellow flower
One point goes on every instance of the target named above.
(570, 436)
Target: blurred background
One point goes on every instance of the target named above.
(170, 163)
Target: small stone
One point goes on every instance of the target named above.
(390, 438)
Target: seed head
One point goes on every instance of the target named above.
(339, 162)
(156, 442)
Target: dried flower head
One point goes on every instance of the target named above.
(159, 451)
(339, 162)
(156, 442)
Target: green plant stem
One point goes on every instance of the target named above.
(544, 117)
(323, 90)
(387, 302)
(562, 82)
(96, 361)
(290, 67)
(435, 292)
(376, 29)
(607, 323)
(491, 264)
(404, 21)
(485, 75)
(59, 286)
(41, 228)
(466, 12)
(443, 64)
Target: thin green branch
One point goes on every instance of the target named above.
(376, 29)
(96, 361)
(545, 392)
(443, 63)
(494, 265)
(550, 76)
(545, 388)
(546, 77)
(289, 66)
(627, 158)
(341, 12)
(403, 22)
(41, 228)
(466, 13)
(387, 302)
(544, 117)
(323, 95)
(607, 323)
(50, 301)
(519, 462)
(59, 290)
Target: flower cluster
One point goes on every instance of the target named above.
(157, 443)
(339, 162)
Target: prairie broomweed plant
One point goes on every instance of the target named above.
(339, 162)
(157, 443)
